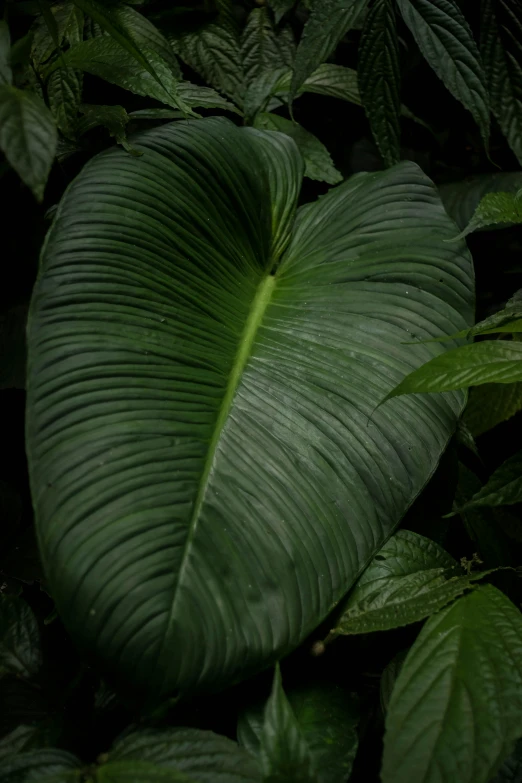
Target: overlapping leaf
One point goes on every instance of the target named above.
(208, 471)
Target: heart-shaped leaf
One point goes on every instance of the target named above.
(208, 469)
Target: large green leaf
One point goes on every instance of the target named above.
(379, 78)
(329, 22)
(321, 716)
(27, 136)
(262, 48)
(501, 48)
(491, 361)
(462, 198)
(456, 708)
(446, 41)
(208, 474)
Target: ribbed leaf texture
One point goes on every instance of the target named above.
(208, 469)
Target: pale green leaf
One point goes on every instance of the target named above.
(262, 47)
(285, 756)
(494, 208)
(318, 163)
(446, 41)
(6, 76)
(104, 57)
(199, 430)
(214, 53)
(27, 136)
(64, 93)
(456, 708)
(491, 361)
(379, 78)
(491, 404)
(41, 766)
(20, 652)
(327, 716)
(462, 198)
(504, 486)
(501, 26)
(329, 22)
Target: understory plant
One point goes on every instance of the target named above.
(261, 517)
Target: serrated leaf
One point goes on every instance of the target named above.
(41, 766)
(27, 136)
(146, 35)
(262, 48)
(105, 58)
(280, 8)
(491, 404)
(504, 486)
(196, 97)
(318, 163)
(114, 21)
(114, 118)
(214, 53)
(6, 75)
(285, 756)
(501, 24)
(379, 78)
(328, 23)
(446, 41)
(410, 578)
(462, 198)
(201, 756)
(64, 92)
(336, 81)
(261, 89)
(495, 208)
(327, 716)
(20, 652)
(160, 344)
(456, 709)
(491, 361)
(69, 27)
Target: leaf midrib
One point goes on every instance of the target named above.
(255, 316)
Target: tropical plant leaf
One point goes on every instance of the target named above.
(104, 57)
(379, 78)
(6, 75)
(115, 21)
(262, 48)
(495, 208)
(491, 404)
(199, 429)
(318, 163)
(146, 35)
(440, 711)
(446, 41)
(64, 92)
(389, 678)
(20, 652)
(68, 24)
(503, 66)
(336, 81)
(504, 486)
(201, 756)
(27, 136)
(114, 118)
(46, 765)
(491, 361)
(156, 114)
(327, 716)
(329, 22)
(461, 199)
(214, 53)
(261, 89)
(203, 97)
(285, 756)
(410, 578)
(280, 8)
